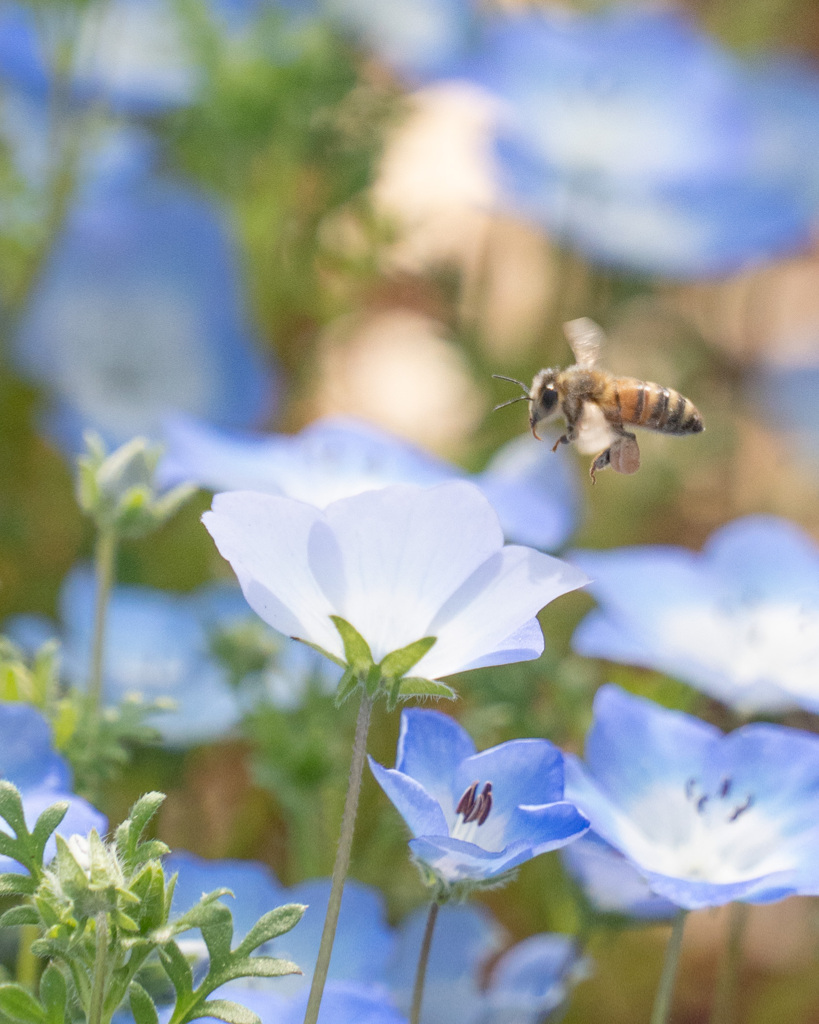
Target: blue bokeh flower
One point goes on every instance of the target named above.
(476, 816)
(398, 564)
(597, 141)
(138, 311)
(29, 761)
(706, 818)
(740, 621)
(533, 492)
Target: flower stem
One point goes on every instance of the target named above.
(342, 863)
(28, 965)
(104, 568)
(725, 998)
(423, 959)
(100, 970)
(662, 1002)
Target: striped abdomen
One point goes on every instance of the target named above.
(645, 404)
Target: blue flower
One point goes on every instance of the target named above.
(534, 494)
(138, 312)
(476, 816)
(706, 818)
(739, 621)
(399, 564)
(29, 761)
(597, 141)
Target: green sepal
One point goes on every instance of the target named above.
(320, 650)
(54, 994)
(130, 831)
(357, 651)
(347, 686)
(415, 686)
(398, 663)
(19, 1005)
(270, 925)
(17, 916)
(224, 1009)
(142, 1006)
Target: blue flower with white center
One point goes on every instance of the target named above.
(611, 883)
(534, 496)
(399, 565)
(740, 621)
(706, 818)
(476, 816)
(138, 312)
(597, 142)
(29, 761)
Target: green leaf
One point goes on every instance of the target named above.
(356, 649)
(19, 1005)
(130, 831)
(54, 994)
(398, 663)
(414, 686)
(18, 916)
(258, 967)
(152, 849)
(17, 885)
(47, 823)
(270, 925)
(218, 934)
(178, 970)
(11, 808)
(224, 1009)
(142, 1006)
(207, 911)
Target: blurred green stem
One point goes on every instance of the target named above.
(342, 864)
(28, 966)
(662, 1001)
(725, 998)
(105, 558)
(423, 960)
(98, 984)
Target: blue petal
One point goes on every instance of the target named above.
(521, 772)
(532, 979)
(421, 811)
(27, 756)
(431, 746)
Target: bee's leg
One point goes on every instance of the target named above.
(566, 438)
(572, 411)
(600, 462)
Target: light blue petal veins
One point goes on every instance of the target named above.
(534, 492)
(532, 979)
(364, 941)
(503, 594)
(274, 545)
(528, 771)
(79, 820)
(253, 885)
(611, 883)
(405, 552)
(421, 811)
(27, 756)
(431, 746)
(633, 743)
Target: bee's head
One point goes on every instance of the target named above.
(544, 399)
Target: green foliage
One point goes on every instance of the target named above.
(102, 910)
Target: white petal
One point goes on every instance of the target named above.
(275, 545)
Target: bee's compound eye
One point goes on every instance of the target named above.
(547, 402)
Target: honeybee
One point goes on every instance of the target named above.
(596, 404)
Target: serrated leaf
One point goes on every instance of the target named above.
(208, 910)
(142, 1006)
(398, 663)
(47, 823)
(218, 934)
(11, 807)
(258, 967)
(54, 994)
(19, 1005)
(12, 884)
(17, 916)
(224, 1009)
(178, 969)
(414, 686)
(357, 652)
(270, 925)
(10, 847)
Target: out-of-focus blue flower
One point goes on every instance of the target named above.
(475, 816)
(29, 761)
(598, 142)
(611, 883)
(739, 621)
(399, 565)
(706, 818)
(534, 494)
(157, 647)
(138, 312)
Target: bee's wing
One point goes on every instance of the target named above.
(586, 338)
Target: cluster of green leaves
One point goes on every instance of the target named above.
(102, 914)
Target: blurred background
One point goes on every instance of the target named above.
(247, 214)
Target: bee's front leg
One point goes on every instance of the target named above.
(572, 411)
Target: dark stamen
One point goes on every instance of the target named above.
(475, 808)
(742, 808)
(725, 787)
(467, 801)
(690, 786)
(703, 800)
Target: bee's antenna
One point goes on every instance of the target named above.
(520, 398)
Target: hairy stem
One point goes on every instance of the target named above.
(423, 960)
(662, 1002)
(342, 863)
(98, 987)
(725, 998)
(104, 569)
